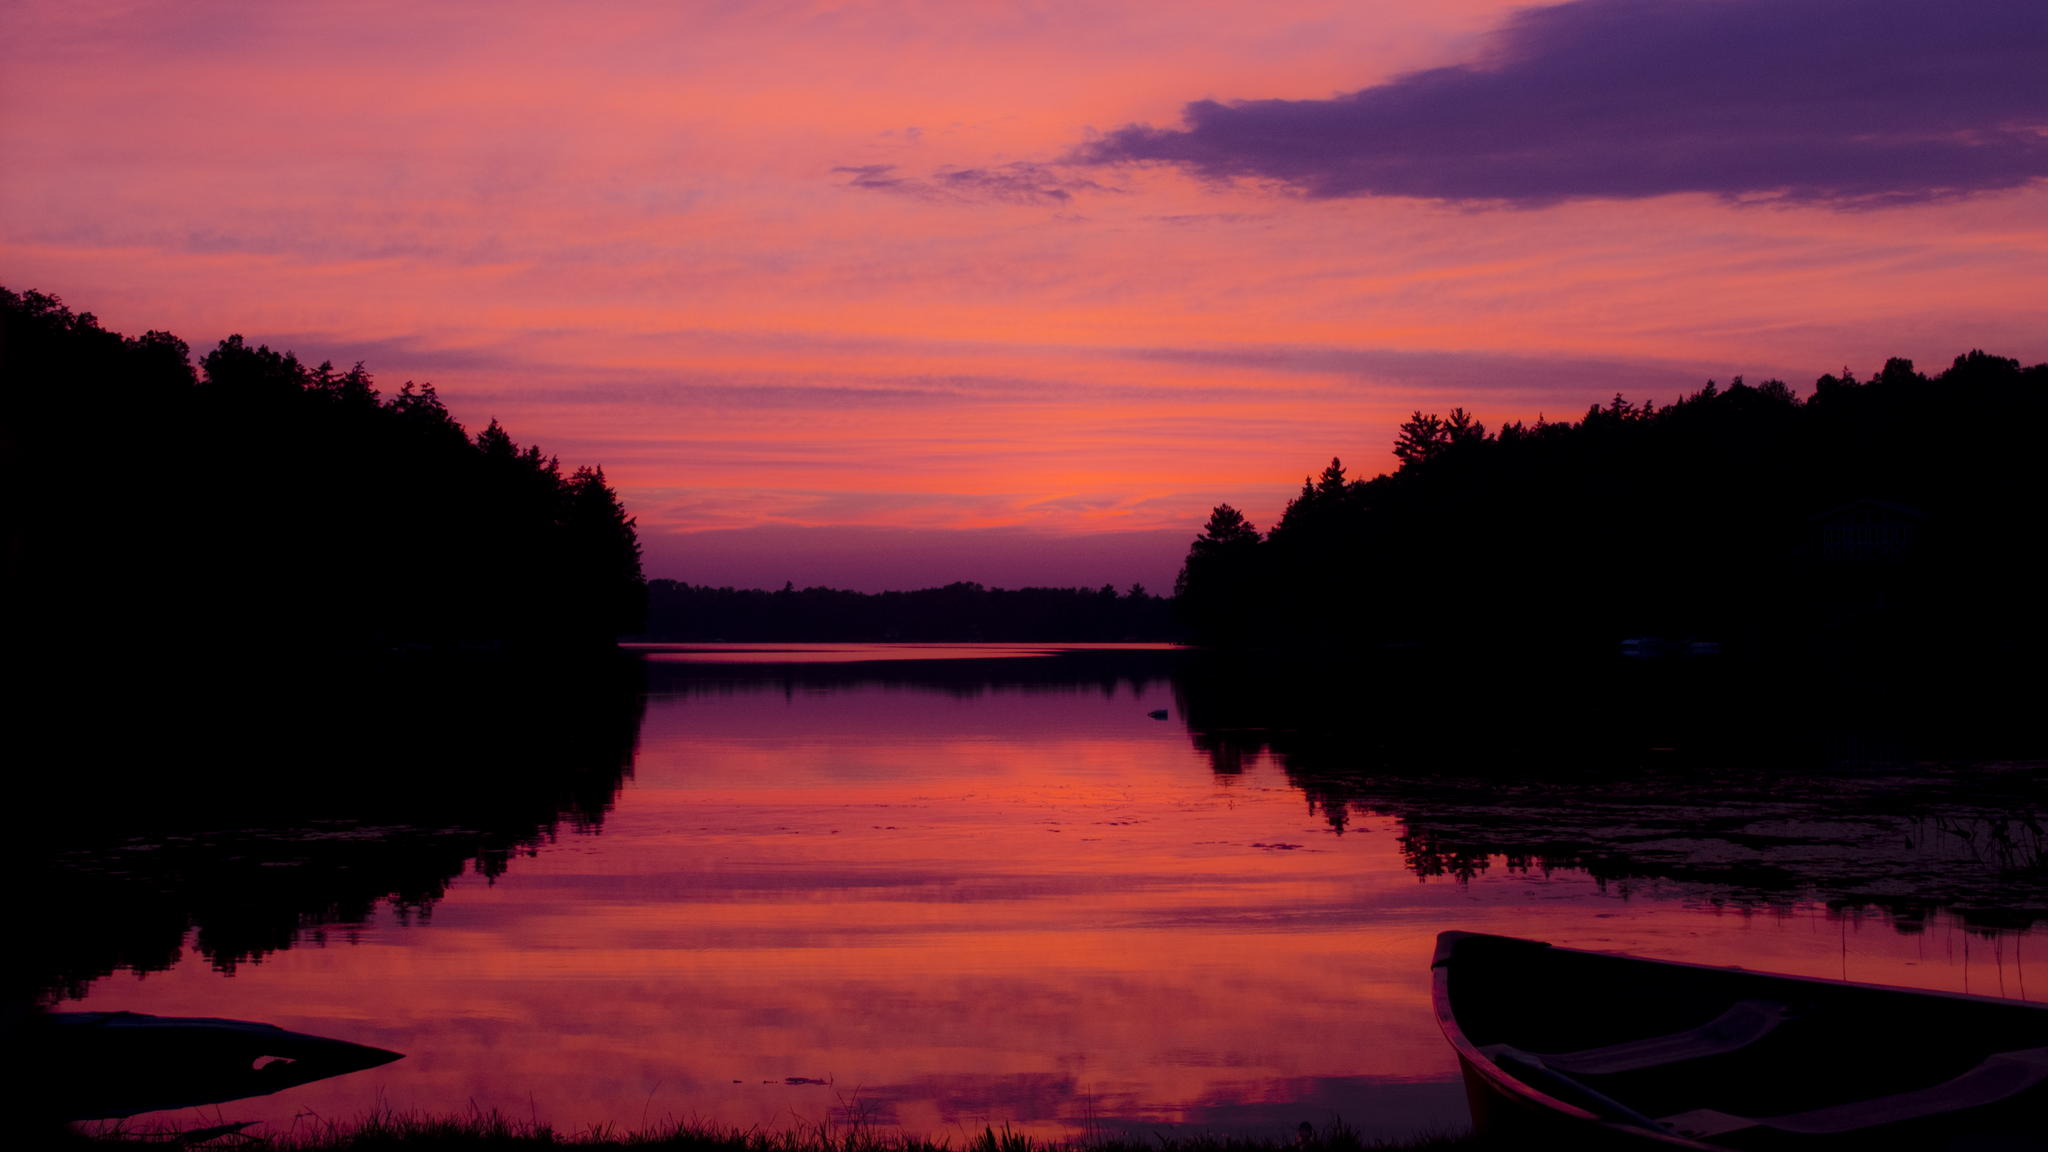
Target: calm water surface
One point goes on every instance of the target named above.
(940, 906)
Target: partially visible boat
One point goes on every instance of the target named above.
(107, 1065)
(1578, 1049)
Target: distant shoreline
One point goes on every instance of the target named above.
(961, 612)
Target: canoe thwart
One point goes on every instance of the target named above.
(2000, 1077)
(1564, 1087)
(1744, 1023)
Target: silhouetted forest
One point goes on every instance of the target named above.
(258, 500)
(1879, 519)
(956, 612)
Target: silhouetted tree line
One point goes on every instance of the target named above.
(1893, 516)
(956, 612)
(258, 499)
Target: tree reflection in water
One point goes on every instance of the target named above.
(252, 809)
(1735, 785)
(248, 811)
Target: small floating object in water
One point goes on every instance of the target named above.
(1158, 713)
(1569, 1048)
(106, 1065)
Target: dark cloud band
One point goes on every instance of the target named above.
(1846, 102)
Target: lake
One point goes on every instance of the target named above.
(944, 887)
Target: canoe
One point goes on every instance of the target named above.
(106, 1065)
(1577, 1049)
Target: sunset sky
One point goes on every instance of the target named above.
(893, 294)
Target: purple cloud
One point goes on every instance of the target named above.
(1850, 103)
(1016, 183)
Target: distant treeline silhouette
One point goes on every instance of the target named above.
(956, 612)
(1893, 517)
(260, 500)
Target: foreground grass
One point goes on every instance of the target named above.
(489, 1132)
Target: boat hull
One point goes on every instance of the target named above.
(1562, 1047)
(109, 1065)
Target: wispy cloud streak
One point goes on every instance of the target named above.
(1016, 183)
